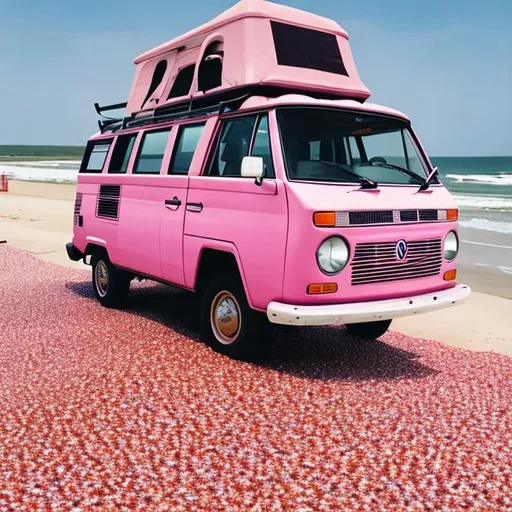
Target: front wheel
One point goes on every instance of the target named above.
(111, 284)
(369, 330)
(228, 324)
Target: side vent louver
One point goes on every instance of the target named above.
(78, 207)
(107, 205)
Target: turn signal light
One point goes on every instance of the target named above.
(452, 214)
(451, 275)
(320, 288)
(324, 219)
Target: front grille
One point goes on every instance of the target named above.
(371, 217)
(386, 217)
(409, 216)
(107, 205)
(378, 262)
(428, 215)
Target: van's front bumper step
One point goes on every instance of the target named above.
(73, 253)
(341, 314)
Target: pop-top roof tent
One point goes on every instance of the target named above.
(254, 44)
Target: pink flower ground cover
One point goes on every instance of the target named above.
(104, 410)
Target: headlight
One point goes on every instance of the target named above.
(332, 255)
(451, 246)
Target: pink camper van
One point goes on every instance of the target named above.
(250, 168)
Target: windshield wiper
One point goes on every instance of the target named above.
(407, 172)
(364, 182)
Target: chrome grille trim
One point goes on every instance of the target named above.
(387, 217)
(378, 263)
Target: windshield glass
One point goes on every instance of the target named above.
(332, 145)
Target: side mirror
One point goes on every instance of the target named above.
(253, 167)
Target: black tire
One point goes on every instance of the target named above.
(369, 330)
(241, 338)
(114, 292)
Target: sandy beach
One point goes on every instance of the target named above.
(37, 217)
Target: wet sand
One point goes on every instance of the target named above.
(37, 217)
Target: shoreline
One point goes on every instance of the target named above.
(37, 217)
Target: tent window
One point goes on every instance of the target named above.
(158, 76)
(183, 82)
(305, 48)
(210, 69)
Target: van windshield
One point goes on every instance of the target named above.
(342, 146)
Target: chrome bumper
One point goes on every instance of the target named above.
(340, 314)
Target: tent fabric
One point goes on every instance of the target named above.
(256, 42)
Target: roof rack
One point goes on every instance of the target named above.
(108, 121)
(192, 108)
(215, 103)
(115, 106)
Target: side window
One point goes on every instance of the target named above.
(234, 143)
(95, 156)
(261, 146)
(151, 153)
(121, 153)
(186, 144)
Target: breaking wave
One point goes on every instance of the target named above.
(495, 179)
(484, 202)
(488, 225)
(52, 172)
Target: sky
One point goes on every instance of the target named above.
(446, 63)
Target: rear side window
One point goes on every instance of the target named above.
(121, 154)
(305, 48)
(188, 138)
(151, 153)
(95, 156)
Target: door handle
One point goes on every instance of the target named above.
(173, 202)
(195, 207)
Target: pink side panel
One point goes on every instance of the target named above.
(253, 219)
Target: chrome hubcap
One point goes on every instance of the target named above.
(101, 278)
(225, 318)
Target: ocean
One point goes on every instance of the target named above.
(482, 185)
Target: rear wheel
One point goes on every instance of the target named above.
(369, 330)
(111, 284)
(228, 324)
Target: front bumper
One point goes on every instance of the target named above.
(341, 314)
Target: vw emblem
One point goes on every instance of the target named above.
(401, 250)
